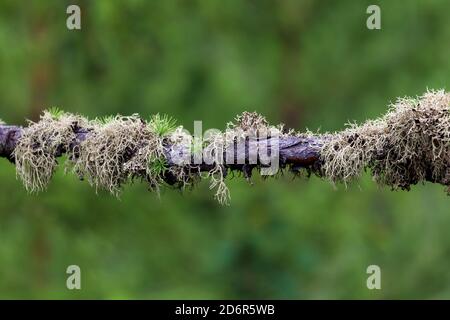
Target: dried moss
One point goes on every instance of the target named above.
(410, 144)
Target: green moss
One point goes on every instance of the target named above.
(162, 125)
(105, 120)
(55, 113)
(157, 166)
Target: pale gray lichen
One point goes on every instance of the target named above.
(410, 144)
(40, 144)
(119, 150)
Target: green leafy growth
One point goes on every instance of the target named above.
(55, 112)
(105, 119)
(157, 166)
(162, 125)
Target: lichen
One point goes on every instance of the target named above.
(410, 144)
(39, 146)
(118, 150)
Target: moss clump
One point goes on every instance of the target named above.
(39, 146)
(410, 144)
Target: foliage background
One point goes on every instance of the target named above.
(310, 64)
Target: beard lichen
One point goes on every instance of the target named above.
(119, 150)
(214, 149)
(408, 145)
(40, 144)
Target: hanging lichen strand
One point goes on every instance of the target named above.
(408, 145)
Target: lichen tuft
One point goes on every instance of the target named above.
(39, 146)
(408, 145)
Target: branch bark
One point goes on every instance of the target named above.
(9, 135)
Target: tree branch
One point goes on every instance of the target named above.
(293, 150)
(408, 145)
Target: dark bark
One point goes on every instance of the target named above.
(9, 135)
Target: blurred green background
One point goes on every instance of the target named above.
(310, 64)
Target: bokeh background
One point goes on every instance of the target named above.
(309, 64)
